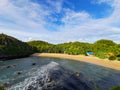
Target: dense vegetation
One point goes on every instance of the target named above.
(2, 87)
(40, 45)
(101, 48)
(45, 47)
(115, 88)
(11, 47)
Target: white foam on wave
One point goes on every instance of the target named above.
(37, 78)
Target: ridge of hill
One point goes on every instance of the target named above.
(11, 47)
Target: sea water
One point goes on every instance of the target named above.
(92, 75)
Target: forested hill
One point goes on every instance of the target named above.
(100, 48)
(40, 45)
(10, 47)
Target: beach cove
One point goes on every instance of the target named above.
(88, 59)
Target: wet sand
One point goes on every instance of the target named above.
(89, 59)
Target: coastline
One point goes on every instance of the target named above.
(5, 58)
(88, 59)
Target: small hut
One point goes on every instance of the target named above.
(89, 53)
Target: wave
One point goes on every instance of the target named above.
(51, 77)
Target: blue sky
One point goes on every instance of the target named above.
(59, 21)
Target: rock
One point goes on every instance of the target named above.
(7, 84)
(18, 73)
(49, 79)
(13, 66)
(8, 66)
(33, 64)
(77, 74)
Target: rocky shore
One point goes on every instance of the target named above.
(5, 57)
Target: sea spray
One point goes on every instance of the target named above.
(50, 77)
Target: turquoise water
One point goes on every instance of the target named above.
(104, 78)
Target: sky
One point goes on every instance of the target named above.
(59, 21)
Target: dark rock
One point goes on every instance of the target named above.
(49, 79)
(13, 66)
(77, 74)
(33, 64)
(8, 66)
(7, 84)
(5, 58)
(18, 73)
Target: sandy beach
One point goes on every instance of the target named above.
(89, 59)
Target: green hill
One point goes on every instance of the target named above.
(10, 47)
(41, 46)
(105, 42)
(101, 48)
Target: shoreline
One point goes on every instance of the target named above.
(6, 58)
(88, 59)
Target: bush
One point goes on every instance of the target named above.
(101, 55)
(96, 87)
(112, 58)
(118, 58)
(115, 88)
(1, 87)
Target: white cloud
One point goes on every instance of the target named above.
(24, 35)
(3, 4)
(28, 20)
(74, 18)
(80, 26)
(30, 39)
(109, 2)
(56, 5)
(25, 16)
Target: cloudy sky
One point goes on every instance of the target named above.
(58, 21)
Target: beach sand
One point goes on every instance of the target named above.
(89, 59)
